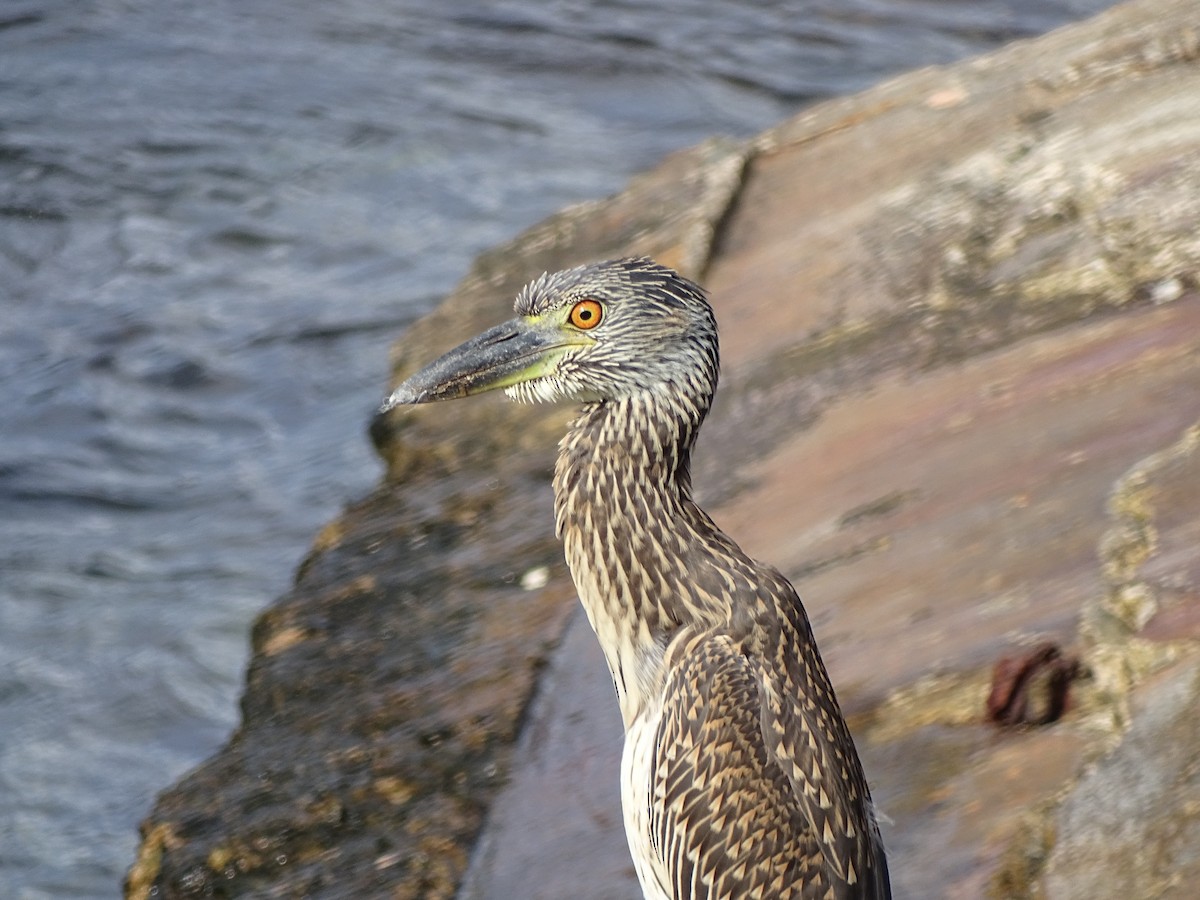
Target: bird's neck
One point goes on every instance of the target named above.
(633, 538)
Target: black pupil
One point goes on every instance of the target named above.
(585, 314)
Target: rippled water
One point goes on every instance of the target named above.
(213, 219)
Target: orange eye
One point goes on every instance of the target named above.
(586, 314)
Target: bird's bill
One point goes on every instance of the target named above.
(519, 350)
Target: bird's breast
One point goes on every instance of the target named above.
(633, 651)
(637, 802)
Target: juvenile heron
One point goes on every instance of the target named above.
(739, 777)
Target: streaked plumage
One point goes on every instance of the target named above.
(739, 777)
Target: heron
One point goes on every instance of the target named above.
(739, 776)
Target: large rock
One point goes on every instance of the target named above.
(1131, 826)
(961, 343)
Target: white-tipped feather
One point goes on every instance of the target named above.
(541, 390)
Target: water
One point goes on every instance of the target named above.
(213, 220)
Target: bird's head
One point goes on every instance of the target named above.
(593, 333)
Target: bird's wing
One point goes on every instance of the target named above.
(727, 818)
(807, 738)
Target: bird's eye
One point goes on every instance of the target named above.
(586, 314)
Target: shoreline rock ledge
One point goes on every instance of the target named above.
(960, 408)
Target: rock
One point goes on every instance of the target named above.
(961, 356)
(561, 805)
(1131, 827)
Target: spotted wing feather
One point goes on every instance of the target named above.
(729, 817)
(807, 737)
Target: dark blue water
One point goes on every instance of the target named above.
(213, 219)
